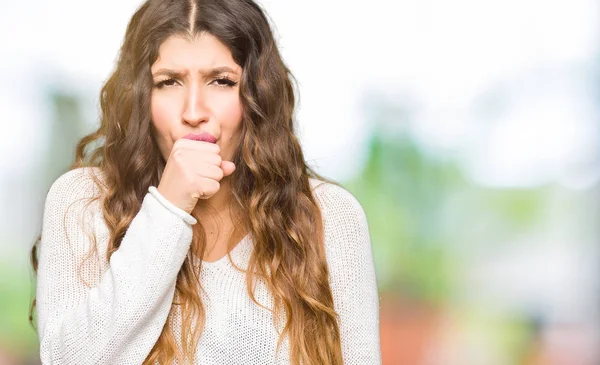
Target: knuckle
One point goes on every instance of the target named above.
(199, 193)
(178, 144)
(177, 154)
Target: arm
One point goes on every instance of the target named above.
(351, 274)
(118, 320)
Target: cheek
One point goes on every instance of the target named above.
(161, 115)
(231, 116)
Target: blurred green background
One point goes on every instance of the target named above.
(467, 130)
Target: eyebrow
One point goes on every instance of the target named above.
(208, 73)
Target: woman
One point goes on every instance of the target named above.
(195, 232)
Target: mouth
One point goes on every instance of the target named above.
(204, 136)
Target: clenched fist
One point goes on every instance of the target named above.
(193, 171)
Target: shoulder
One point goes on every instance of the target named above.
(82, 183)
(338, 206)
(68, 214)
(334, 197)
(346, 231)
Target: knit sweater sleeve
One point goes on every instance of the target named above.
(118, 320)
(351, 274)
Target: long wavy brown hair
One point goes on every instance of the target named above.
(270, 187)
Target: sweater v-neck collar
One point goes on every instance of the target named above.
(239, 254)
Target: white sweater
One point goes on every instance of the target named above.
(94, 311)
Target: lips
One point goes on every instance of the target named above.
(205, 137)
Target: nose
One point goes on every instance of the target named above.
(195, 108)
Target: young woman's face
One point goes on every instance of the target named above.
(196, 90)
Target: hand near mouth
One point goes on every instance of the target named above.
(193, 171)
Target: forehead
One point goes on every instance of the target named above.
(203, 51)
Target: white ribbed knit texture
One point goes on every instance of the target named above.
(92, 311)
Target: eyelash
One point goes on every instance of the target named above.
(227, 82)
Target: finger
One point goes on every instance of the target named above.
(197, 157)
(197, 145)
(206, 188)
(228, 167)
(206, 170)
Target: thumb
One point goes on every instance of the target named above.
(228, 167)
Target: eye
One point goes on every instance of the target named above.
(225, 82)
(167, 82)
